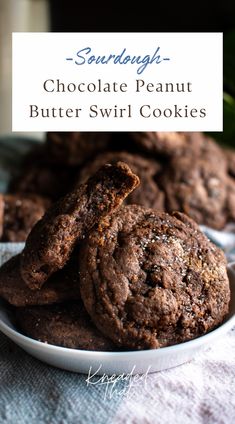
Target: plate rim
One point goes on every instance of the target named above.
(228, 324)
(223, 328)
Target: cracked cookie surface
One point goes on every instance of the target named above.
(150, 279)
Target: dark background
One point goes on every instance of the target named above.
(163, 16)
(156, 16)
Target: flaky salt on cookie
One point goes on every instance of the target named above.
(150, 279)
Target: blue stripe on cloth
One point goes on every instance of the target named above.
(34, 393)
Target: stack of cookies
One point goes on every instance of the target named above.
(99, 274)
(187, 172)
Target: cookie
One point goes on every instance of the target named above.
(39, 175)
(198, 188)
(44, 180)
(74, 148)
(230, 158)
(230, 203)
(166, 143)
(66, 325)
(148, 193)
(53, 238)
(150, 279)
(18, 215)
(169, 144)
(62, 286)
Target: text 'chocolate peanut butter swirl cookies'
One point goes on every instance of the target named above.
(150, 279)
(51, 241)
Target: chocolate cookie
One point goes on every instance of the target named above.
(53, 238)
(230, 157)
(198, 188)
(148, 193)
(150, 279)
(168, 144)
(66, 325)
(62, 286)
(230, 204)
(74, 148)
(18, 215)
(46, 181)
(40, 175)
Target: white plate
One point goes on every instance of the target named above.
(117, 362)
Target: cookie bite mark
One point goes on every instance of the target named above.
(148, 193)
(51, 241)
(150, 279)
(62, 286)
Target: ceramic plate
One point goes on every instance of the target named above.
(117, 362)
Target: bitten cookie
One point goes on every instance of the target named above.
(148, 193)
(150, 279)
(18, 215)
(53, 238)
(62, 286)
(66, 325)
